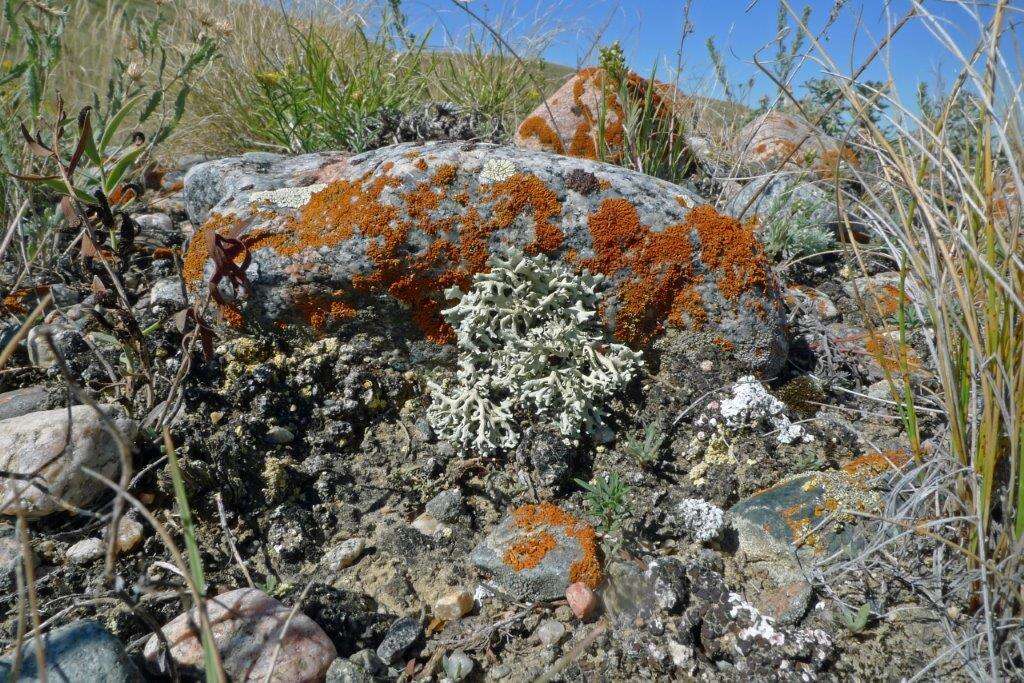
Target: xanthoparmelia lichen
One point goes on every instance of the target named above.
(700, 518)
(497, 170)
(528, 336)
(751, 405)
(287, 197)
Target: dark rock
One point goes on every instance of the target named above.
(402, 635)
(446, 506)
(80, 651)
(548, 453)
(351, 620)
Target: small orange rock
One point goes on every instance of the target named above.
(582, 600)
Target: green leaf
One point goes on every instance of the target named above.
(122, 165)
(151, 104)
(115, 122)
(16, 72)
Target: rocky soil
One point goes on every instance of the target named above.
(285, 322)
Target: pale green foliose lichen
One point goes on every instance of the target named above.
(529, 338)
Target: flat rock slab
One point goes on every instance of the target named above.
(55, 449)
(80, 651)
(247, 625)
(537, 552)
(399, 226)
(804, 514)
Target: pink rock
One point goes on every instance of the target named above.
(771, 138)
(247, 625)
(582, 600)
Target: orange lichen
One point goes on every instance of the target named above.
(583, 142)
(319, 311)
(538, 128)
(445, 174)
(588, 567)
(231, 315)
(870, 465)
(730, 249)
(522, 191)
(421, 164)
(202, 241)
(528, 553)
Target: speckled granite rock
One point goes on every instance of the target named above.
(22, 401)
(400, 225)
(784, 198)
(247, 625)
(80, 651)
(537, 552)
(42, 442)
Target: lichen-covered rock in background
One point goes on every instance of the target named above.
(768, 141)
(538, 551)
(794, 217)
(588, 111)
(406, 223)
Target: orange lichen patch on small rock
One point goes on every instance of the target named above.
(199, 248)
(522, 191)
(723, 343)
(538, 128)
(528, 553)
(445, 174)
(586, 569)
(871, 465)
(731, 249)
(799, 528)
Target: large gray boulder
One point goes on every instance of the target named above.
(385, 233)
(54, 450)
(81, 651)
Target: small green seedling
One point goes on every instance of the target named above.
(855, 623)
(646, 452)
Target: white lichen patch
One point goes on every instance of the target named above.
(496, 170)
(701, 519)
(529, 338)
(287, 197)
(750, 406)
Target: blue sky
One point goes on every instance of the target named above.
(649, 31)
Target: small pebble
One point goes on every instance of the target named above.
(345, 554)
(563, 613)
(446, 506)
(457, 665)
(550, 632)
(280, 435)
(582, 600)
(427, 525)
(129, 533)
(707, 366)
(454, 605)
(400, 637)
(86, 550)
